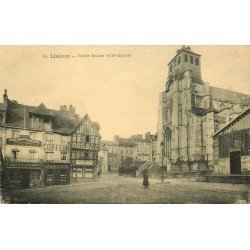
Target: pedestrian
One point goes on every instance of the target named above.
(145, 179)
(99, 175)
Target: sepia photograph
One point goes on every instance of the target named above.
(158, 124)
(124, 124)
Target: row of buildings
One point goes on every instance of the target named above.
(42, 146)
(201, 128)
(113, 154)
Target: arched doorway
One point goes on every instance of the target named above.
(167, 141)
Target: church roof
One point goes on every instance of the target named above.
(229, 96)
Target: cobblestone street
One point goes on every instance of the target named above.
(126, 190)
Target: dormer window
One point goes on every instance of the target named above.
(197, 61)
(191, 60)
(186, 58)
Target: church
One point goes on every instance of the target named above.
(190, 113)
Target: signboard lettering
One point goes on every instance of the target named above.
(84, 162)
(23, 141)
(80, 145)
(55, 147)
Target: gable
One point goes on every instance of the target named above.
(86, 126)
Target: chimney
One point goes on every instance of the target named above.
(5, 99)
(116, 138)
(63, 108)
(72, 111)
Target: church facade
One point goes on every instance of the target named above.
(190, 112)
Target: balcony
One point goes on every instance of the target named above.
(22, 160)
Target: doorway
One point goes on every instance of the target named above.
(235, 162)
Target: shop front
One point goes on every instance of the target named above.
(24, 174)
(83, 170)
(56, 173)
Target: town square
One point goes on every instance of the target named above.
(91, 140)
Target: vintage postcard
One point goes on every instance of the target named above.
(125, 124)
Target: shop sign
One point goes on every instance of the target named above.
(80, 145)
(84, 162)
(23, 141)
(57, 166)
(55, 147)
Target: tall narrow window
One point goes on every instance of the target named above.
(87, 138)
(33, 135)
(170, 68)
(196, 61)
(179, 60)
(15, 134)
(191, 60)
(186, 58)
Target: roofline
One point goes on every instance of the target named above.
(184, 51)
(232, 122)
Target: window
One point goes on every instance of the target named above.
(15, 134)
(78, 137)
(63, 157)
(170, 68)
(49, 137)
(49, 156)
(196, 61)
(179, 60)
(82, 154)
(87, 155)
(78, 154)
(92, 139)
(87, 138)
(15, 154)
(33, 135)
(32, 155)
(191, 60)
(186, 58)
(63, 138)
(73, 154)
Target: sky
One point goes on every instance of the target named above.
(121, 93)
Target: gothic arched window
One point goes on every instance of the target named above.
(196, 61)
(191, 60)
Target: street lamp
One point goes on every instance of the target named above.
(162, 155)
